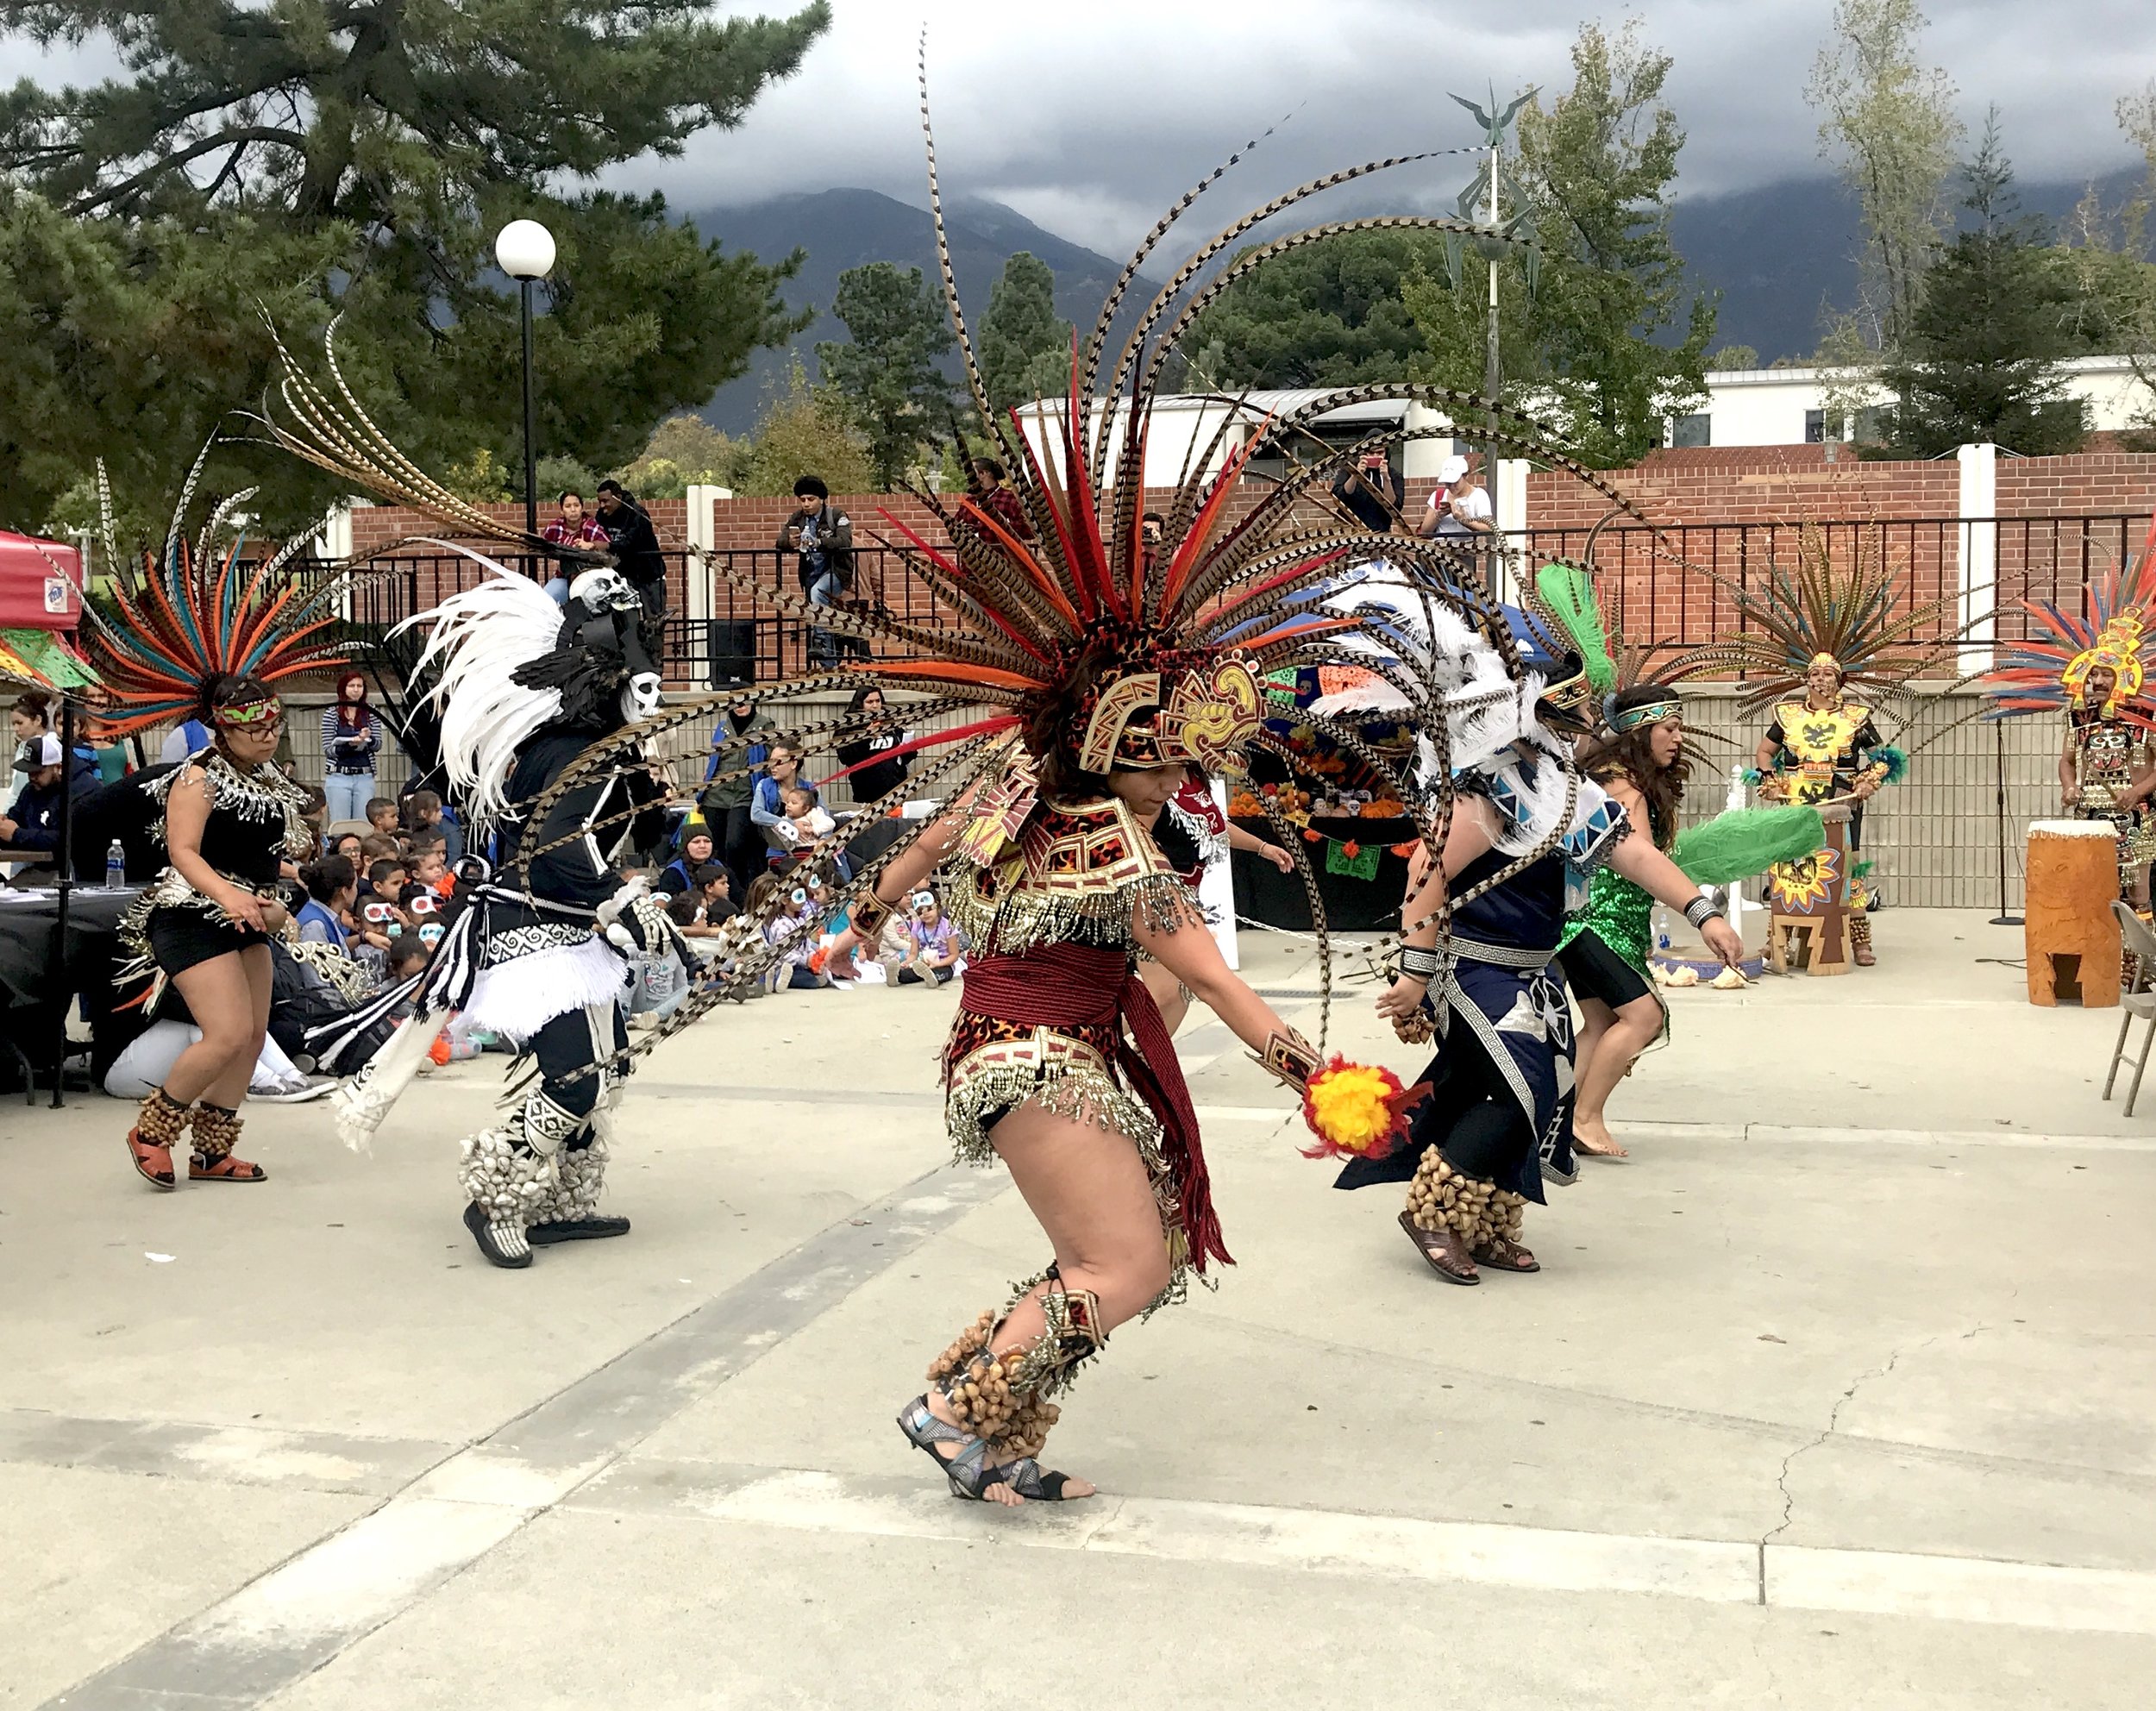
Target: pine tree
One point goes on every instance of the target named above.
(357, 156)
(1981, 360)
(1024, 347)
(887, 371)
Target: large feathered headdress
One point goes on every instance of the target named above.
(2116, 631)
(1074, 646)
(1846, 610)
(185, 619)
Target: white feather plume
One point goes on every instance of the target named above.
(480, 636)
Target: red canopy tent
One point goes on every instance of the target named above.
(41, 584)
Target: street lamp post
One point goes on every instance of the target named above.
(526, 251)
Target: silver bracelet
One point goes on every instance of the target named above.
(1418, 964)
(1702, 910)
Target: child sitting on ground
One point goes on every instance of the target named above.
(783, 910)
(933, 944)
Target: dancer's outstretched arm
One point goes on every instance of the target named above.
(1191, 954)
(1638, 860)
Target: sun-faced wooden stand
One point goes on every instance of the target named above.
(1807, 904)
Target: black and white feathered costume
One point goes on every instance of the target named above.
(539, 955)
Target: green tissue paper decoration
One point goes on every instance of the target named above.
(1748, 841)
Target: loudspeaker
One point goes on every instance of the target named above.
(731, 646)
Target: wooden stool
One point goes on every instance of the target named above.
(1807, 901)
(2069, 933)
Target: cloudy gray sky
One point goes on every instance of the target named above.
(1090, 118)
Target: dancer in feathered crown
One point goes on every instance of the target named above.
(1515, 836)
(196, 632)
(507, 689)
(1831, 649)
(2095, 668)
(1076, 676)
(1639, 755)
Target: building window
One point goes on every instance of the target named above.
(1815, 432)
(1692, 430)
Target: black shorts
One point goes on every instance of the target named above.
(180, 937)
(1592, 969)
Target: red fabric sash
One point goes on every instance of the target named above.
(1068, 985)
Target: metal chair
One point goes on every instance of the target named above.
(2138, 999)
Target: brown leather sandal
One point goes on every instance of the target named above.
(1447, 1254)
(1501, 1253)
(228, 1169)
(152, 1161)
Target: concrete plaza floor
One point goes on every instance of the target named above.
(1837, 1395)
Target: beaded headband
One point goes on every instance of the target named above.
(1646, 713)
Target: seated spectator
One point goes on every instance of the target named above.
(375, 847)
(33, 822)
(679, 875)
(931, 957)
(821, 538)
(31, 717)
(574, 528)
(409, 955)
(382, 907)
(427, 815)
(783, 910)
(350, 845)
(331, 886)
(871, 769)
(381, 814)
(430, 874)
(190, 737)
(715, 887)
(804, 819)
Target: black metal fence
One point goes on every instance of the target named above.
(1649, 590)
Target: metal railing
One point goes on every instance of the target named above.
(1649, 593)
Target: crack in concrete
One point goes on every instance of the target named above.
(1833, 1422)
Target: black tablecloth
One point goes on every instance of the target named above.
(33, 1003)
(1351, 906)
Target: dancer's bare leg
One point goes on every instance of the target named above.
(1089, 1189)
(229, 997)
(1629, 1031)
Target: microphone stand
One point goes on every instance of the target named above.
(64, 854)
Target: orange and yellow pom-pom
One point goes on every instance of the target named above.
(1357, 1110)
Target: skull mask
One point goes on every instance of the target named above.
(603, 664)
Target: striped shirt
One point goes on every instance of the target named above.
(345, 751)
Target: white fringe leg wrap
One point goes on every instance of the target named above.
(364, 1100)
(507, 1181)
(1440, 1198)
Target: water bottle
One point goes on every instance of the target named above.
(115, 865)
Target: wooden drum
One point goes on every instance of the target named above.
(2073, 940)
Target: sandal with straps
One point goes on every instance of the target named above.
(1501, 1253)
(968, 1471)
(1035, 1484)
(1446, 1252)
(228, 1169)
(153, 1160)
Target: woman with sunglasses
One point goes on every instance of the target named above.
(204, 925)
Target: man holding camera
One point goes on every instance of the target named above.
(1370, 493)
(821, 537)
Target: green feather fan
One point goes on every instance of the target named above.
(1569, 597)
(1748, 841)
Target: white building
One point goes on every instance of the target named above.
(1788, 406)
(1200, 434)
